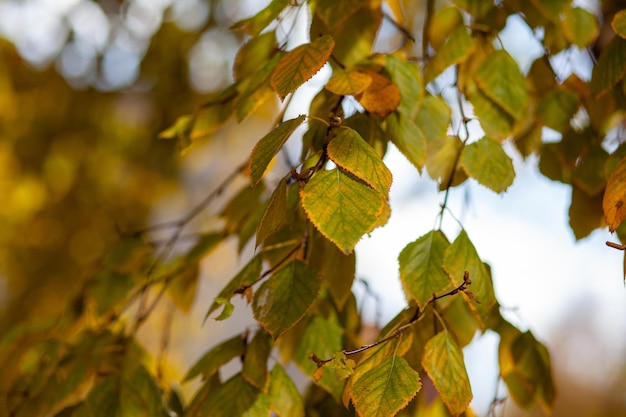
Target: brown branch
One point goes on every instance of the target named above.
(616, 245)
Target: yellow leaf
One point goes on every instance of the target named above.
(348, 83)
(300, 64)
(381, 97)
(614, 200)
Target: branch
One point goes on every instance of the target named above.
(616, 245)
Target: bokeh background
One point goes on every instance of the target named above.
(85, 89)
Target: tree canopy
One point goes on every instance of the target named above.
(85, 159)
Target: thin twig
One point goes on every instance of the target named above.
(430, 8)
(616, 245)
(165, 341)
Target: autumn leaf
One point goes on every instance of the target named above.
(614, 200)
(381, 96)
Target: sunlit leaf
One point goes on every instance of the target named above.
(381, 96)
(433, 117)
(255, 361)
(300, 64)
(268, 146)
(275, 213)
(611, 66)
(580, 27)
(255, 24)
(215, 358)
(348, 82)
(341, 208)
(614, 200)
(285, 297)
(460, 321)
(408, 138)
(457, 48)
(421, 267)
(406, 76)
(231, 399)
(181, 131)
(499, 78)
(255, 91)
(385, 389)
(349, 151)
(286, 400)
(619, 23)
(444, 363)
(487, 163)
(557, 108)
(333, 13)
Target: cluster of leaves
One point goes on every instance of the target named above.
(305, 225)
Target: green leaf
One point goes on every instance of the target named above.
(557, 108)
(323, 337)
(579, 26)
(334, 13)
(231, 399)
(254, 25)
(433, 118)
(348, 83)
(386, 389)
(614, 200)
(421, 267)
(336, 268)
(217, 357)
(285, 297)
(499, 78)
(619, 23)
(585, 213)
(406, 76)
(408, 138)
(552, 9)
(253, 55)
(286, 400)
(350, 152)
(228, 309)
(255, 90)
(269, 146)
(457, 48)
(300, 64)
(443, 361)
(255, 361)
(459, 321)
(109, 289)
(443, 154)
(461, 256)
(341, 208)
(497, 123)
(248, 275)
(487, 163)
(588, 172)
(610, 68)
(275, 213)
(140, 395)
(181, 131)
(240, 208)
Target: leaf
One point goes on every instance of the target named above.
(181, 131)
(588, 172)
(255, 360)
(579, 26)
(386, 389)
(499, 78)
(585, 213)
(443, 361)
(619, 23)
(408, 138)
(487, 163)
(323, 337)
(442, 24)
(285, 297)
(407, 78)
(614, 200)
(552, 9)
(253, 55)
(203, 247)
(228, 309)
(610, 68)
(334, 13)
(348, 83)
(442, 155)
(248, 275)
(110, 288)
(433, 118)
(496, 122)
(182, 289)
(301, 64)
(285, 398)
(381, 96)
(254, 25)
(341, 208)
(350, 152)
(268, 146)
(275, 213)
(457, 48)
(461, 256)
(217, 357)
(231, 399)
(421, 267)
(557, 108)
(240, 208)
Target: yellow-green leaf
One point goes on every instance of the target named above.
(407, 77)
(233, 398)
(585, 213)
(443, 361)
(588, 172)
(381, 96)
(300, 64)
(255, 360)
(253, 55)
(442, 24)
(268, 146)
(556, 109)
(457, 48)
(495, 121)
(386, 389)
(408, 138)
(421, 267)
(441, 158)
(285, 399)
(619, 23)
(333, 12)
(611, 66)
(217, 357)
(348, 82)
(275, 213)
(285, 297)
(487, 163)
(349, 151)
(499, 78)
(341, 208)
(614, 200)
(433, 117)
(551, 9)
(579, 26)
(255, 24)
